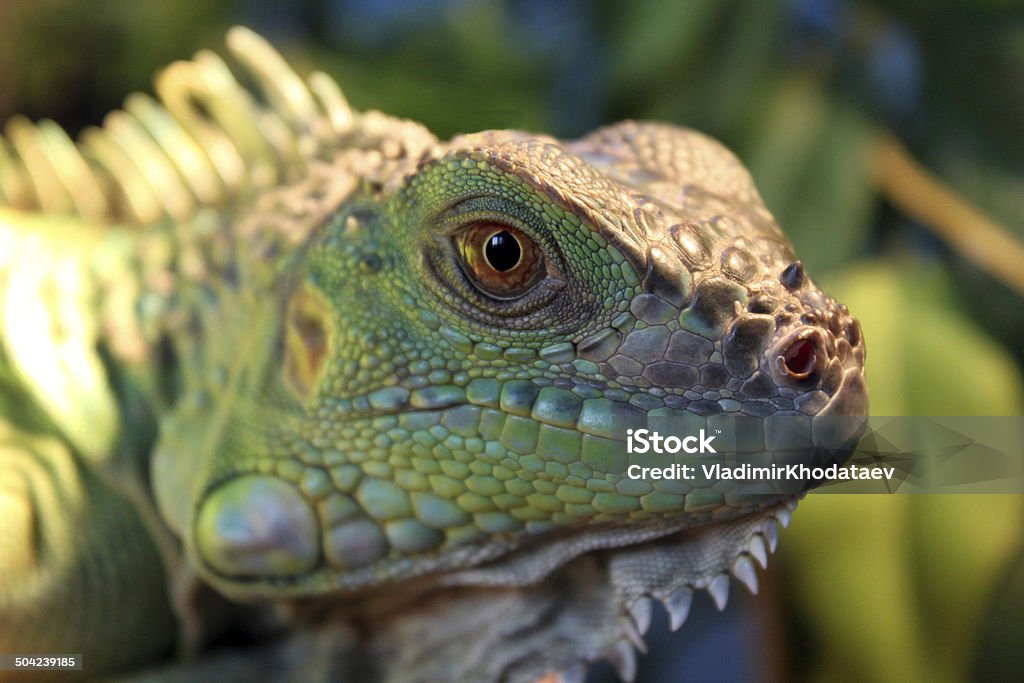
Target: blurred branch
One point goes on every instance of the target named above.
(918, 193)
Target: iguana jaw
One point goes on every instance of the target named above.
(283, 565)
(601, 600)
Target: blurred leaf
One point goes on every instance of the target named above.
(75, 61)
(723, 89)
(447, 102)
(650, 35)
(485, 81)
(830, 215)
(847, 560)
(809, 162)
(996, 190)
(785, 141)
(999, 656)
(891, 587)
(925, 357)
(744, 61)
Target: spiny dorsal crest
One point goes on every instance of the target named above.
(206, 141)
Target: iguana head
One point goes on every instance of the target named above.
(444, 370)
(385, 365)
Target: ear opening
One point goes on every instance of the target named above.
(307, 341)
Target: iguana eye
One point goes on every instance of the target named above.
(500, 260)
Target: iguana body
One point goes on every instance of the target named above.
(372, 388)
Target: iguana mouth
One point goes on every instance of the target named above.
(537, 594)
(265, 545)
(260, 534)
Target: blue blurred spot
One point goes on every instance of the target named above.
(894, 71)
(565, 35)
(380, 23)
(818, 26)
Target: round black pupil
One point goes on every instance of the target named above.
(502, 251)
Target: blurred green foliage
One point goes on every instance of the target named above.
(890, 589)
(899, 588)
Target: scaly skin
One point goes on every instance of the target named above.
(409, 460)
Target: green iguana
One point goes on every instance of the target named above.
(302, 393)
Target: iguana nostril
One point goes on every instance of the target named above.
(257, 525)
(799, 359)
